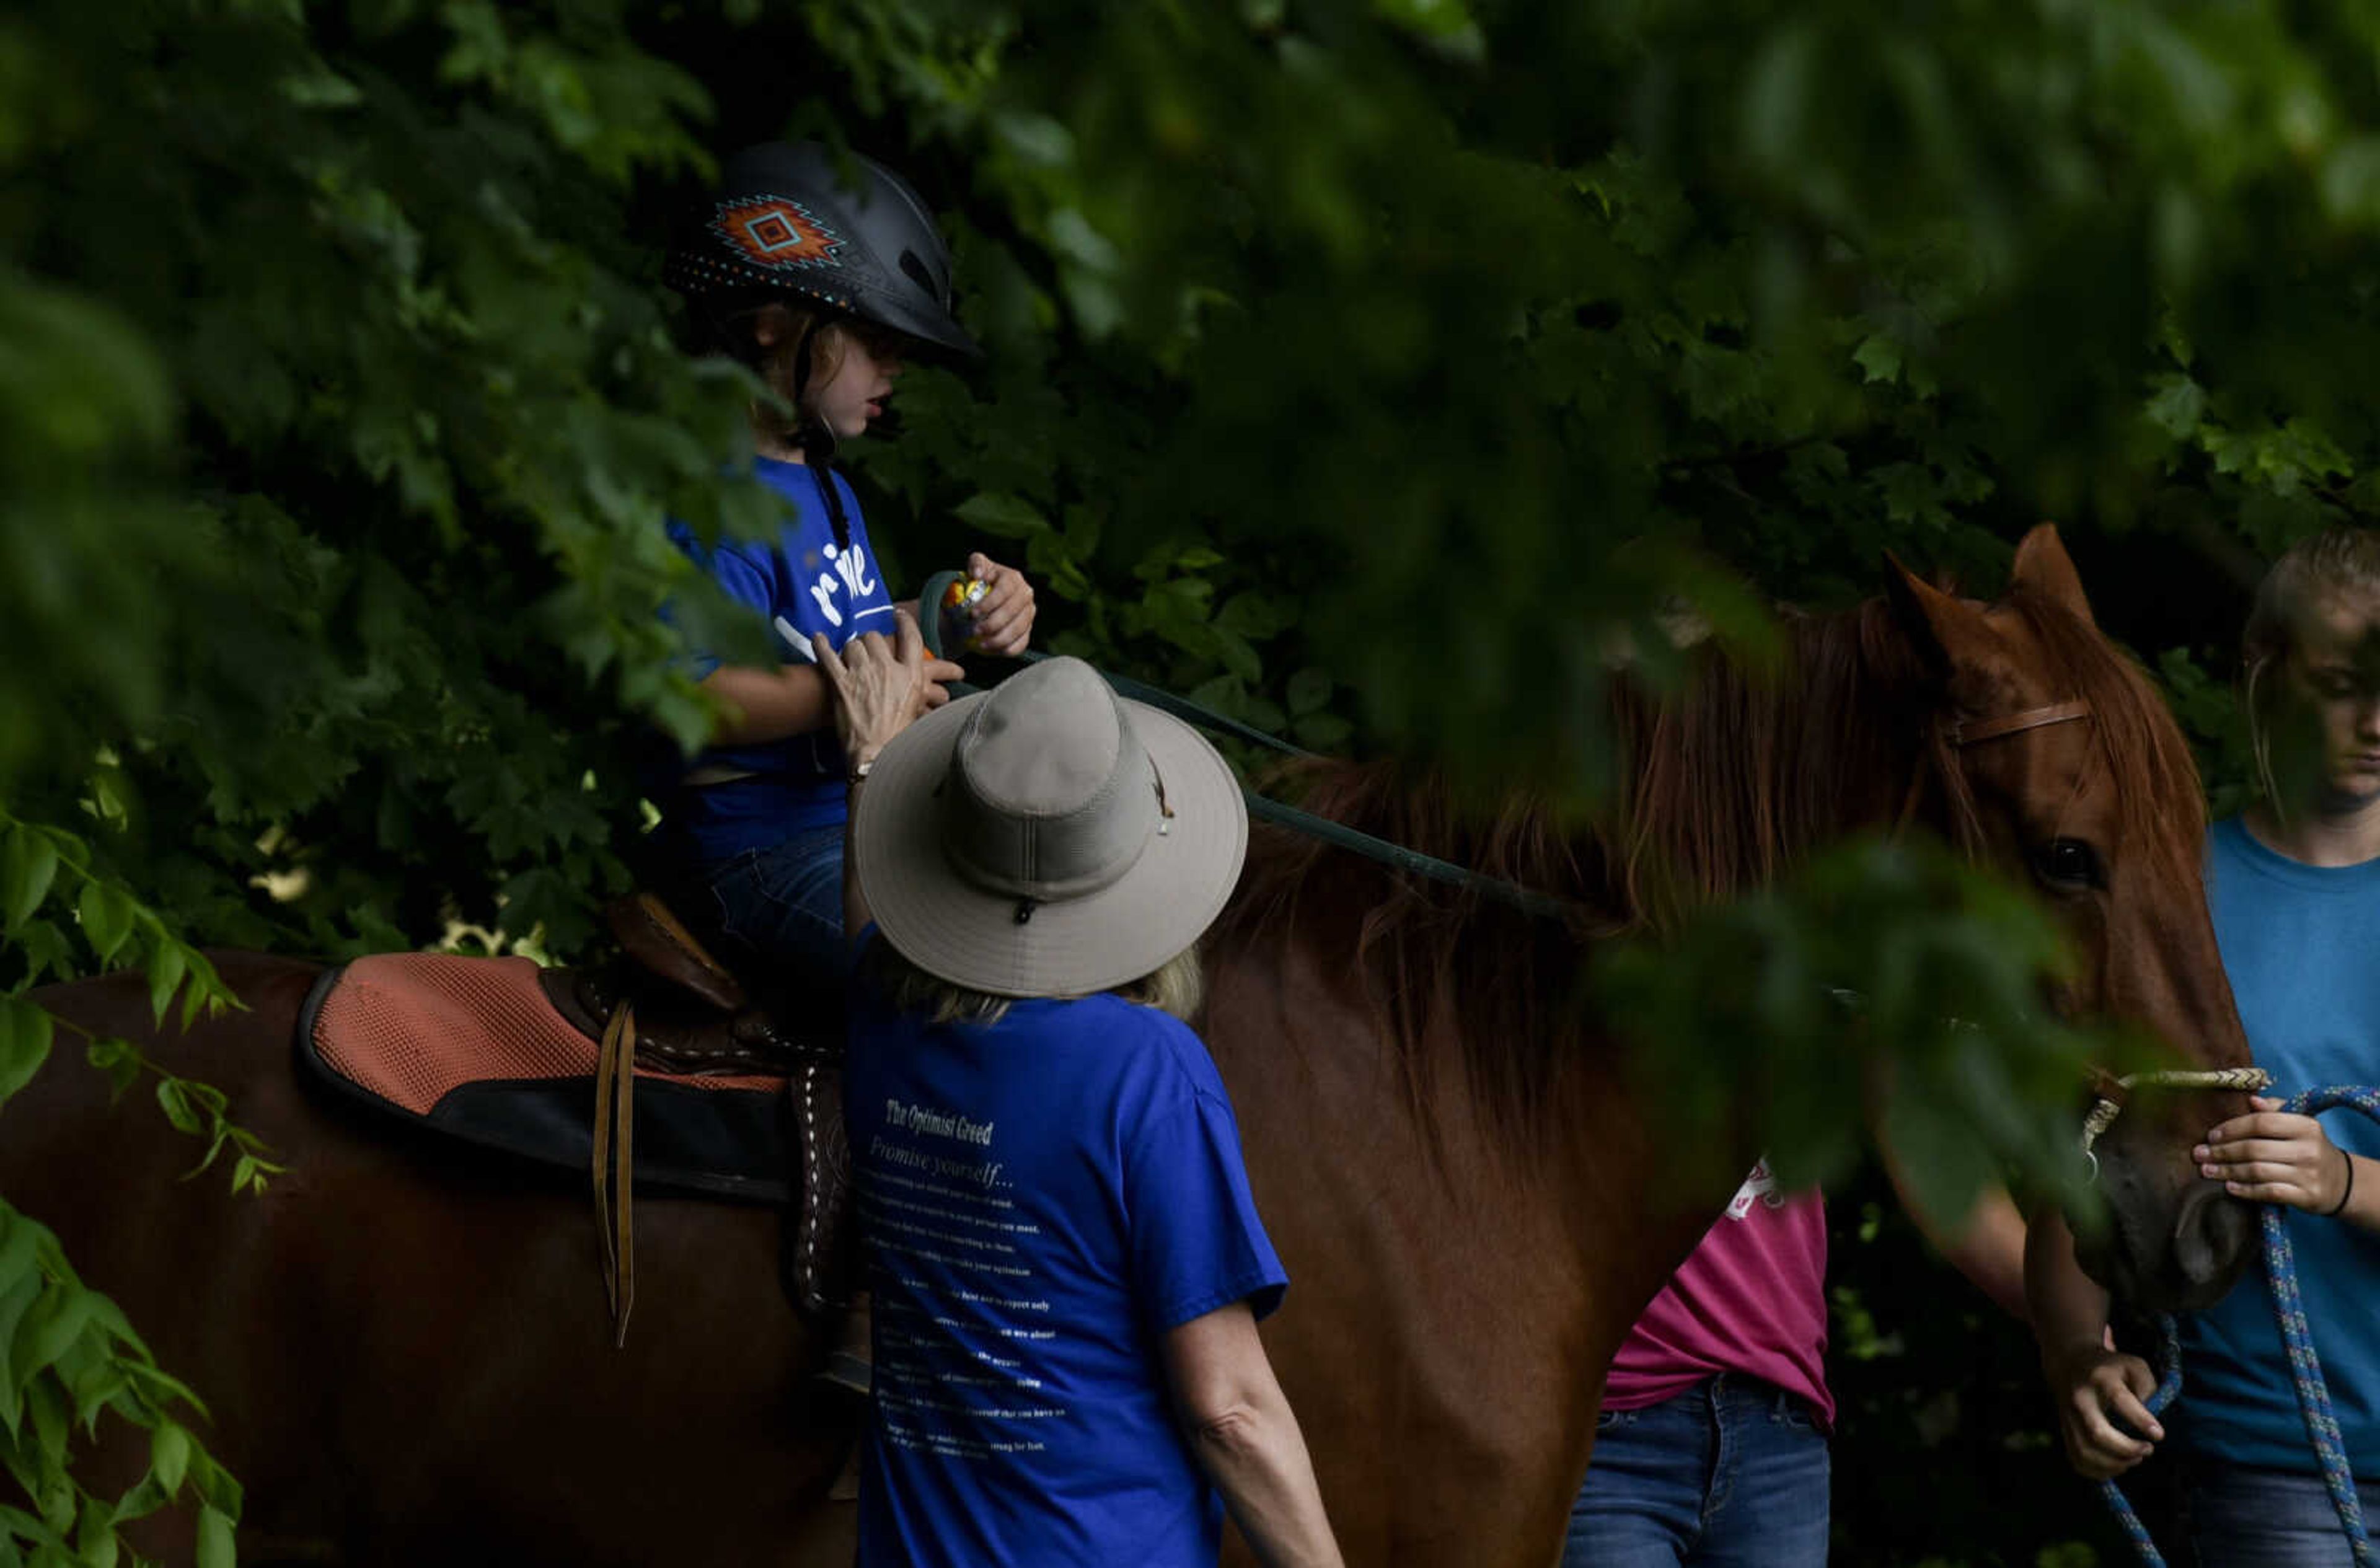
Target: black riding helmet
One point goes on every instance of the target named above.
(786, 220)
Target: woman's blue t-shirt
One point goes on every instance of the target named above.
(1040, 1199)
(2299, 944)
(802, 581)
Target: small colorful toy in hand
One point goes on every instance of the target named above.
(959, 601)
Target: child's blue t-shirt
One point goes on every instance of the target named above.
(1040, 1199)
(803, 581)
(2302, 946)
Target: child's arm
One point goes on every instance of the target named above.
(765, 705)
(792, 699)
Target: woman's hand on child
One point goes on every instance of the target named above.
(881, 684)
(1004, 616)
(2271, 1157)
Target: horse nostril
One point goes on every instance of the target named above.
(2212, 1237)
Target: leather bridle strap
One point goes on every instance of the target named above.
(1963, 733)
(1967, 733)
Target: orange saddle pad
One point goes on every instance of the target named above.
(470, 1048)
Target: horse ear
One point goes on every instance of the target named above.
(2043, 565)
(1946, 629)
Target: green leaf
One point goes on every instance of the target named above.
(46, 1409)
(46, 949)
(169, 1455)
(1878, 356)
(14, 1299)
(26, 1031)
(119, 1061)
(1005, 517)
(2178, 406)
(28, 864)
(1255, 615)
(167, 966)
(216, 1486)
(18, 1523)
(163, 1388)
(1239, 655)
(56, 1320)
(216, 1549)
(141, 1500)
(107, 919)
(95, 1539)
(174, 1098)
(18, 1239)
(97, 1381)
(1309, 689)
(1083, 526)
(322, 88)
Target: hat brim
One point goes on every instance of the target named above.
(971, 937)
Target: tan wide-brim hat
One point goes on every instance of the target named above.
(1047, 838)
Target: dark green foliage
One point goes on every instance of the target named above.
(1945, 1452)
(1366, 368)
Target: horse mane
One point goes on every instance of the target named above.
(1724, 783)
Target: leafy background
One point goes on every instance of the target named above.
(1364, 368)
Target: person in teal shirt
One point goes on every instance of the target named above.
(2293, 886)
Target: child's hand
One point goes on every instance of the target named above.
(1004, 616)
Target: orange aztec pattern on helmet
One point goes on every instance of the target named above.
(775, 232)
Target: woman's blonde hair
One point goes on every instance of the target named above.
(1177, 986)
(2339, 560)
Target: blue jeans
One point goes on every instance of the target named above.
(1733, 1471)
(2239, 1517)
(779, 912)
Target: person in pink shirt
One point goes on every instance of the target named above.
(1711, 1448)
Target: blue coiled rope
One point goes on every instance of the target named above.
(2305, 1371)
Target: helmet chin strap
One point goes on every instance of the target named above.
(816, 437)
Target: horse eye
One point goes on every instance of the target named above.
(2069, 862)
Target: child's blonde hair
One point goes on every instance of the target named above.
(798, 327)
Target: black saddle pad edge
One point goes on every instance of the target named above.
(456, 1118)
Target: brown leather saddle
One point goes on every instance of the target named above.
(668, 1004)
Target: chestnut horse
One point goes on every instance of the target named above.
(408, 1358)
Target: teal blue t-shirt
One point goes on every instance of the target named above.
(2302, 946)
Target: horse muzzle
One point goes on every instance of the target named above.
(2183, 1265)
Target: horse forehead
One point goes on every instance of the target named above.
(2007, 671)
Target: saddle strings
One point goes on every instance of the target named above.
(614, 1165)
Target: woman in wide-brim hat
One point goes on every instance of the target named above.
(1066, 1260)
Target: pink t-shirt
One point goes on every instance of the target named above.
(1752, 1298)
